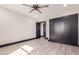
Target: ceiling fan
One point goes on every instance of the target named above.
(35, 7)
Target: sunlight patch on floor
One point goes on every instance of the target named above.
(19, 52)
(27, 48)
(24, 50)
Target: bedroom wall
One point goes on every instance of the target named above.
(15, 27)
(78, 28)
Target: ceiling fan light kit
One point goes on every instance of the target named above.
(35, 7)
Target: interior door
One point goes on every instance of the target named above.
(38, 35)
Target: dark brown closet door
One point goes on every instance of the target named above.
(55, 29)
(64, 29)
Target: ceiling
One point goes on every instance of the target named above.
(54, 10)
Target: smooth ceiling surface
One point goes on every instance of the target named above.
(54, 10)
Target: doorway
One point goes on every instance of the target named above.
(41, 29)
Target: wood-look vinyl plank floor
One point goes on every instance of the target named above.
(39, 47)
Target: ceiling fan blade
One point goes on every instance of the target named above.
(43, 6)
(38, 10)
(32, 10)
(27, 5)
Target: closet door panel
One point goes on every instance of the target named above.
(64, 29)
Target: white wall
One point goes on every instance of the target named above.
(78, 28)
(15, 27)
(47, 29)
